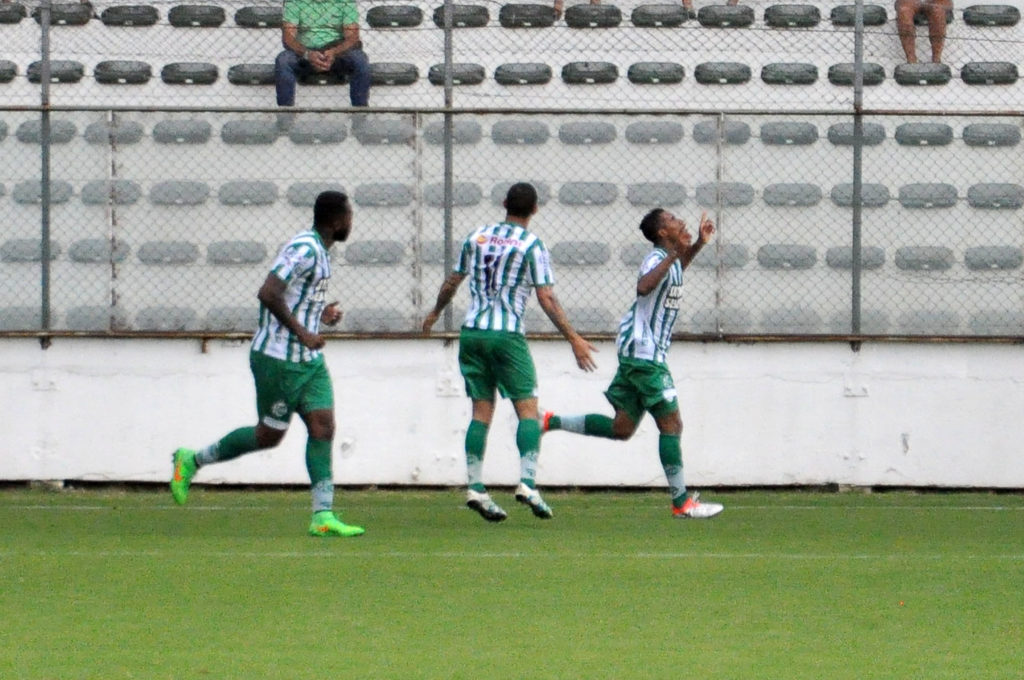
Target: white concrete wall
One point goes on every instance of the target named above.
(754, 414)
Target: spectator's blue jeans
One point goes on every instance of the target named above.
(352, 63)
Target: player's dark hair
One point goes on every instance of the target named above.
(650, 224)
(521, 199)
(329, 205)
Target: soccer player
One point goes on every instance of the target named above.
(504, 261)
(288, 367)
(643, 382)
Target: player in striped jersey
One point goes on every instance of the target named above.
(504, 262)
(643, 382)
(288, 366)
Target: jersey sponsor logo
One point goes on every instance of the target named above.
(499, 241)
(675, 295)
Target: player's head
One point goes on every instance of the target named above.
(651, 224)
(521, 200)
(332, 214)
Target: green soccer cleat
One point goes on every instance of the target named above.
(184, 471)
(325, 523)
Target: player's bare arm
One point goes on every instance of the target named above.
(271, 294)
(706, 231)
(581, 348)
(444, 296)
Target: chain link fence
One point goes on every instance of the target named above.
(148, 182)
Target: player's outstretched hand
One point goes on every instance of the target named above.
(582, 348)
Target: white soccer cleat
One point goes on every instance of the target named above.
(482, 503)
(531, 497)
(693, 508)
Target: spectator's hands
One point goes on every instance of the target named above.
(320, 60)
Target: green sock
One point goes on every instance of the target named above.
(671, 454)
(321, 477)
(528, 443)
(592, 424)
(232, 445)
(476, 442)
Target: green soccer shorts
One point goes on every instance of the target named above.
(640, 386)
(287, 387)
(499, 360)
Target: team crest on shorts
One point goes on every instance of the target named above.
(279, 409)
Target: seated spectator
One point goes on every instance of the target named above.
(935, 11)
(321, 36)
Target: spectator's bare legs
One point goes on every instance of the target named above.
(937, 27)
(905, 11)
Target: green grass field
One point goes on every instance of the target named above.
(790, 585)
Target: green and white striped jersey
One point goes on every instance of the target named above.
(645, 332)
(503, 263)
(305, 267)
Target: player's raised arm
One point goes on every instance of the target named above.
(581, 348)
(704, 234)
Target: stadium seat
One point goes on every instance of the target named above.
(207, 16)
(167, 318)
(733, 132)
(841, 134)
(587, 193)
(247, 192)
(726, 16)
(394, 16)
(991, 134)
(528, 73)
(997, 322)
(259, 16)
(96, 318)
(792, 194)
(31, 192)
(500, 190)
(796, 319)
(111, 192)
(991, 15)
(303, 194)
(249, 132)
(656, 73)
(26, 250)
(179, 192)
(789, 132)
(721, 72)
(231, 319)
(520, 131)
(526, 15)
(924, 73)
(721, 320)
(66, 13)
(786, 256)
(251, 74)
(463, 16)
(61, 131)
(593, 16)
(929, 321)
(989, 258)
(921, 18)
(724, 255)
(841, 257)
(61, 71)
(168, 252)
(927, 195)
(580, 253)
(375, 319)
(12, 12)
(924, 134)
(463, 132)
(122, 72)
(189, 73)
(656, 194)
(789, 73)
(464, 194)
(792, 16)
(844, 15)
(872, 195)
(842, 74)
(321, 78)
(593, 319)
(236, 252)
(590, 72)
(393, 73)
(119, 132)
(587, 132)
(98, 251)
(383, 194)
(728, 194)
(872, 321)
(659, 16)
(432, 252)
(182, 132)
(989, 73)
(20, 318)
(318, 131)
(462, 74)
(130, 15)
(654, 132)
(377, 131)
(924, 258)
(633, 254)
(8, 70)
(996, 196)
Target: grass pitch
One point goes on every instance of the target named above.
(794, 585)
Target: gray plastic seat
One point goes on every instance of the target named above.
(523, 73)
(872, 322)
(712, 194)
(844, 15)
(61, 131)
(179, 192)
(239, 319)
(593, 319)
(841, 134)
(587, 132)
(12, 13)
(580, 253)
(733, 132)
(633, 254)
(721, 320)
(167, 319)
(189, 73)
(841, 257)
(130, 15)
(61, 71)
(988, 258)
(236, 252)
(991, 134)
(659, 16)
(394, 16)
(929, 321)
(432, 252)
(925, 73)
(8, 70)
(322, 78)
(259, 16)
(796, 320)
(26, 250)
(378, 131)
(463, 16)
(996, 196)
(318, 131)
(991, 15)
(989, 73)
(98, 251)
(722, 72)
(393, 73)
(789, 73)
(31, 192)
(66, 13)
(118, 132)
(654, 132)
(927, 195)
(520, 131)
(182, 132)
(375, 320)
(924, 258)
(383, 194)
(249, 132)
(656, 194)
(724, 255)
(206, 16)
(96, 318)
(21, 318)
(789, 132)
(462, 74)
(786, 256)
(251, 74)
(122, 72)
(997, 322)
(924, 134)
(464, 194)
(792, 194)
(590, 72)
(872, 195)
(526, 15)
(303, 194)
(792, 16)
(842, 74)
(463, 132)
(168, 252)
(587, 193)
(656, 73)
(726, 16)
(500, 190)
(593, 16)
(111, 192)
(247, 192)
